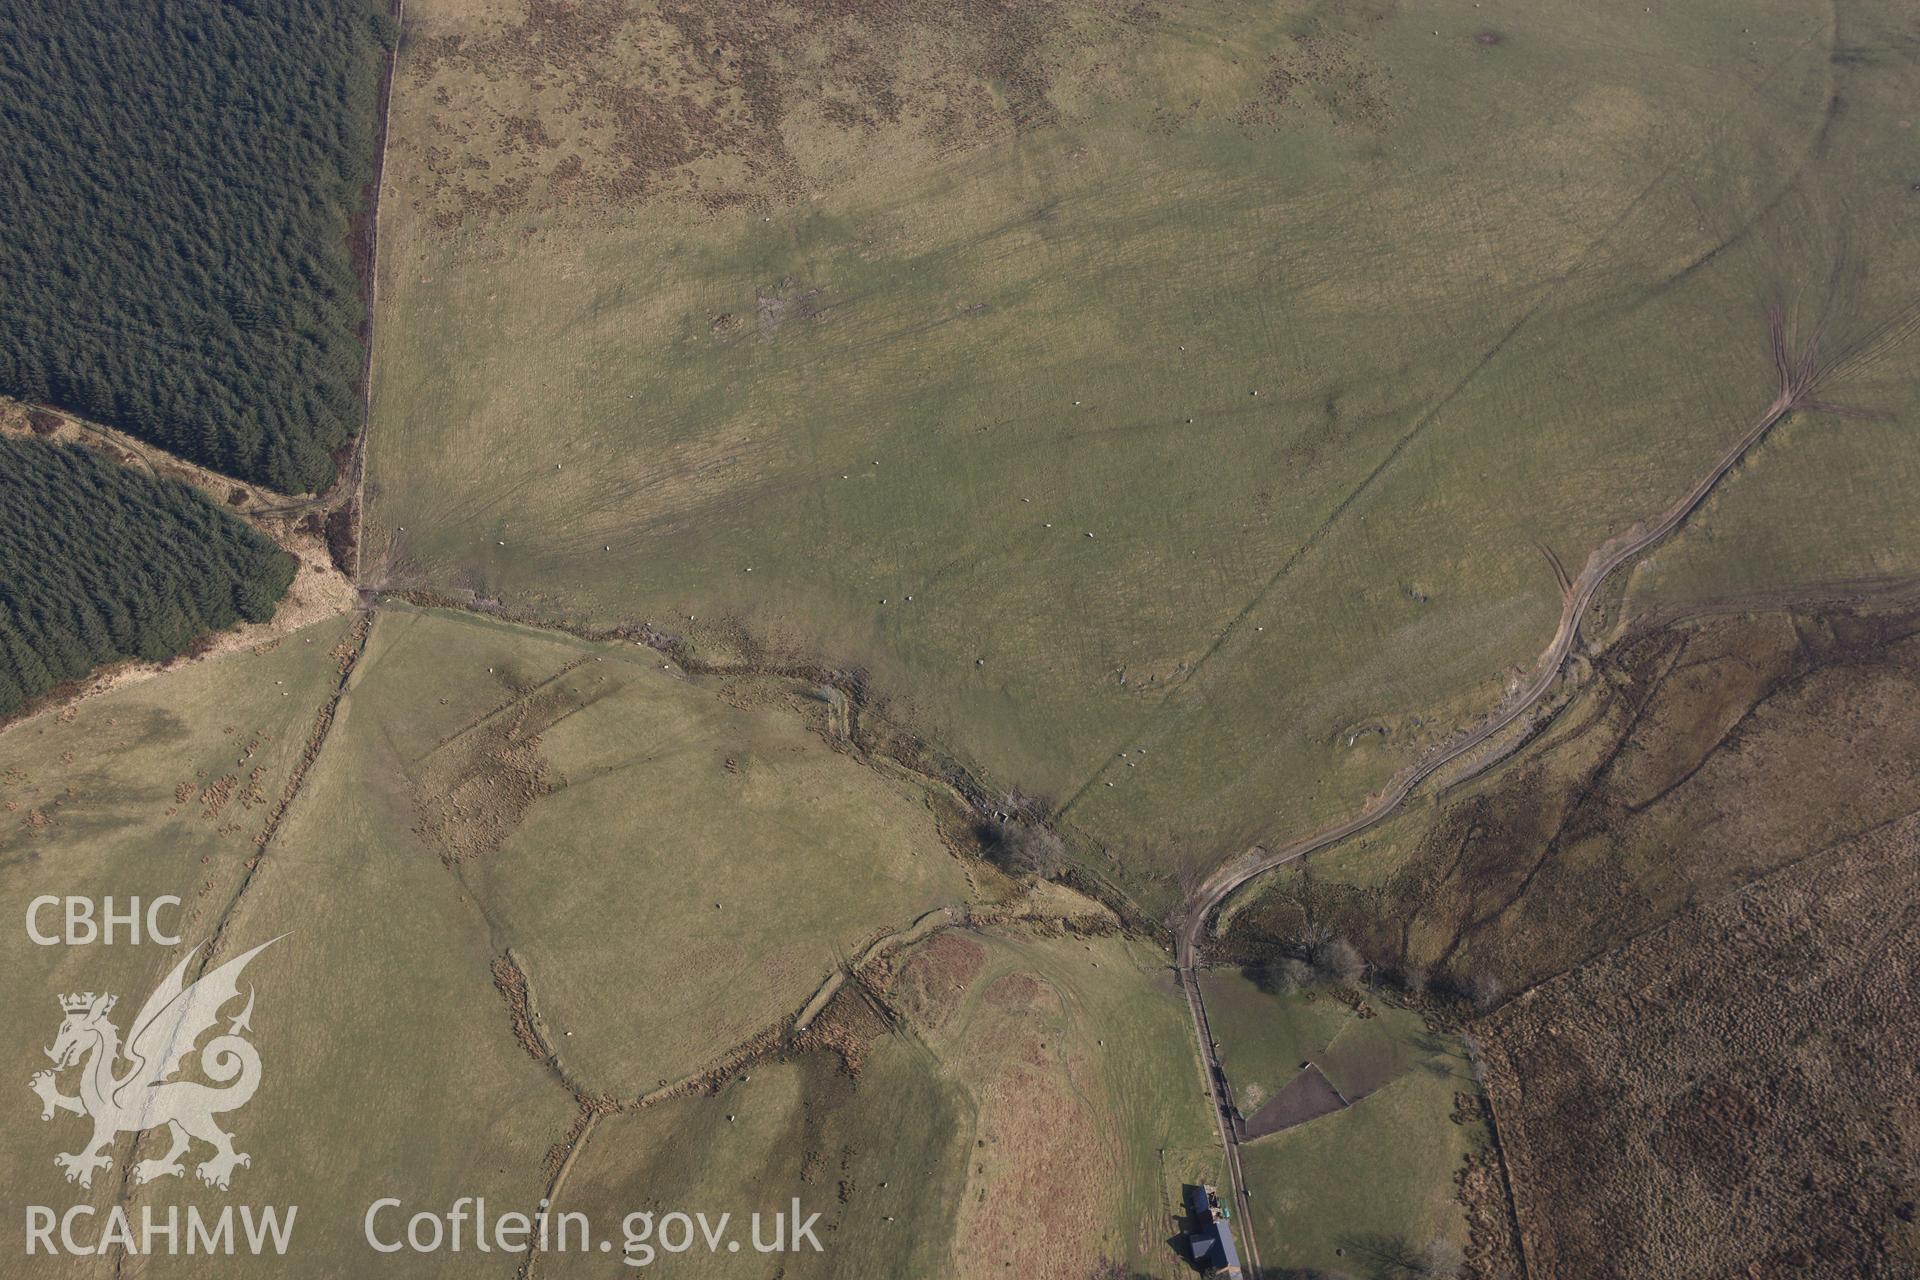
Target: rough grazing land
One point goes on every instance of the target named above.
(1701, 757)
(1735, 1093)
(985, 1073)
(604, 104)
(1193, 382)
(1702, 877)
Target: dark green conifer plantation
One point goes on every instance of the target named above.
(100, 562)
(180, 182)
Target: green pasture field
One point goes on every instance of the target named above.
(1380, 1171)
(1266, 1036)
(147, 790)
(1346, 1193)
(163, 786)
(692, 861)
(484, 792)
(1048, 1069)
(1823, 504)
(1826, 497)
(390, 1064)
(1498, 275)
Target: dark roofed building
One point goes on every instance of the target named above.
(1210, 1242)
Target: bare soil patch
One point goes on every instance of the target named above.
(1307, 1096)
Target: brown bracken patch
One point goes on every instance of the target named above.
(933, 979)
(1732, 1094)
(1327, 70)
(1021, 993)
(846, 1028)
(473, 790)
(1041, 1141)
(216, 796)
(599, 102)
(1493, 1252)
(511, 983)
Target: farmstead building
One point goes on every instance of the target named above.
(1210, 1243)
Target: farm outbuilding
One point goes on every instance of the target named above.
(1210, 1241)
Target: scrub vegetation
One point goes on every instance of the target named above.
(1666, 923)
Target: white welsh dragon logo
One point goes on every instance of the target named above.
(142, 1097)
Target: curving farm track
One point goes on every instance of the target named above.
(1195, 917)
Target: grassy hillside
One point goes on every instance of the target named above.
(1201, 382)
(1675, 909)
(1701, 757)
(671, 867)
(184, 185)
(161, 786)
(1036, 1107)
(99, 562)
